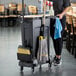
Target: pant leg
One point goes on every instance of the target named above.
(58, 43)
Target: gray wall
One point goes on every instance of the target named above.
(73, 0)
(28, 2)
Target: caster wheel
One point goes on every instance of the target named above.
(40, 68)
(21, 69)
(50, 64)
(33, 68)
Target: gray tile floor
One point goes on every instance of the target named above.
(10, 38)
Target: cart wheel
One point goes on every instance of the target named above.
(21, 68)
(40, 67)
(33, 68)
(50, 63)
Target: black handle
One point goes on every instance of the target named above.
(42, 30)
(23, 11)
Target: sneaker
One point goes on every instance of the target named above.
(57, 61)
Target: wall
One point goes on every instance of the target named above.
(28, 2)
(73, 0)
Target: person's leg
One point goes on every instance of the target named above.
(58, 43)
(58, 47)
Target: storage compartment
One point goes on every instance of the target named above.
(24, 54)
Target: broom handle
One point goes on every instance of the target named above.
(23, 10)
(44, 10)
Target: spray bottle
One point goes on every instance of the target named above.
(47, 6)
(51, 11)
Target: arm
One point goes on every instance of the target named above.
(66, 5)
(63, 13)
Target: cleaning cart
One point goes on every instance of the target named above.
(35, 31)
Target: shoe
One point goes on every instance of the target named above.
(57, 61)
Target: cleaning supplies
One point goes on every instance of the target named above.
(51, 11)
(40, 9)
(47, 7)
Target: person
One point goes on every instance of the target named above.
(60, 8)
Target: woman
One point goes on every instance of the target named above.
(60, 8)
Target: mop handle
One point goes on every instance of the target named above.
(44, 10)
(23, 11)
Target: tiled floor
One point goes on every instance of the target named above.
(10, 38)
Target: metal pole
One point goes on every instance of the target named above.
(44, 10)
(23, 11)
(22, 27)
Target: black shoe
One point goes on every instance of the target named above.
(57, 61)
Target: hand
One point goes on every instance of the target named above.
(60, 16)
